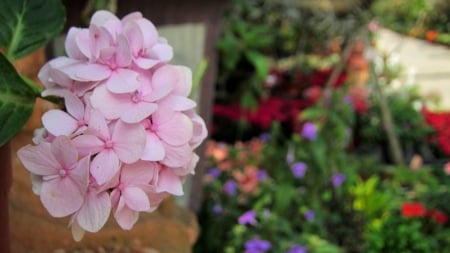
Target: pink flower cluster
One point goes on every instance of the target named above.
(126, 136)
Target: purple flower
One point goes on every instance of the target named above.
(214, 172)
(248, 217)
(297, 249)
(337, 179)
(348, 100)
(262, 175)
(309, 131)
(217, 209)
(309, 215)
(230, 187)
(299, 169)
(265, 137)
(257, 246)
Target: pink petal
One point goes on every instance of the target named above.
(189, 168)
(105, 166)
(72, 49)
(131, 17)
(164, 80)
(177, 103)
(95, 211)
(64, 151)
(169, 182)
(61, 196)
(88, 144)
(123, 81)
(89, 72)
(134, 37)
(98, 125)
(140, 173)
(177, 131)
(80, 174)
(39, 159)
(123, 53)
(125, 217)
(99, 18)
(184, 85)
(58, 122)
(154, 149)
(156, 199)
(177, 156)
(139, 112)
(148, 32)
(74, 106)
(200, 130)
(111, 105)
(161, 51)
(129, 141)
(83, 42)
(145, 63)
(136, 199)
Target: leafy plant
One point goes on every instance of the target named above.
(24, 27)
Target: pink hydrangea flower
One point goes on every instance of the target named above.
(64, 177)
(125, 139)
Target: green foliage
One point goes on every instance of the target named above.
(25, 26)
(16, 101)
(399, 234)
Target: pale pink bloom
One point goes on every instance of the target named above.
(189, 168)
(177, 156)
(135, 106)
(129, 197)
(58, 122)
(100, 54)
(125, 143)
(169, 182)
(200, 131)
(94, 212)
(64, 178)
(148, 49)
(184, 85)
(58, 83)
(163, 131)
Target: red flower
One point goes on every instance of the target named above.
(438, 216)
(413, 209)
(431, 35)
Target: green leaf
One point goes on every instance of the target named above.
(26, 25)
(312, 113)
(259, 62)
(283, 197)
(16, 101)
(230, 51)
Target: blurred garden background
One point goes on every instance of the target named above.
(329, 128)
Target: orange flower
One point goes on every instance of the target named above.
(247, 180)
(431, 35)
(218, 151)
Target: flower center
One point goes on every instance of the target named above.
(109, 144)
(136, 97)
(63, 172)
(81, 122)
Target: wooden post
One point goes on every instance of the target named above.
(5, 185)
